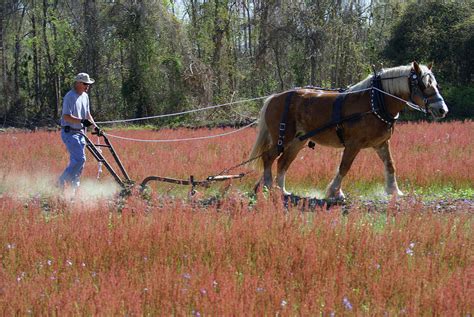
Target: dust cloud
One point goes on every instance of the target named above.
(25, 186)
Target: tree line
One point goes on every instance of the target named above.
(161, 56)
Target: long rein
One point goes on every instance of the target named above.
(408, 103)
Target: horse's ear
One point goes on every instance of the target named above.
(416, 67)
(430, 65)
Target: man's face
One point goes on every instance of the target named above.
(81, 87)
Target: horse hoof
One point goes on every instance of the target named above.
(335, 200)
(336, 197)
(286, 193)
(395, 192)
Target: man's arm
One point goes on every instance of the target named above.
(89, 117)
(71, 119)
(75, 120)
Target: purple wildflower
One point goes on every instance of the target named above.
(347, 303)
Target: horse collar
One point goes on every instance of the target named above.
(377, 102)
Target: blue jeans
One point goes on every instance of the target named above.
(75, 144)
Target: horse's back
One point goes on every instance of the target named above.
(308, 109)
(309, 103)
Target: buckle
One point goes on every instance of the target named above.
(282, 126)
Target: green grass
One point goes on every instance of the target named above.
(445, 191)
(375, 191)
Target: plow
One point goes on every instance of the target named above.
(123, 179)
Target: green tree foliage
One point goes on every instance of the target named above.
(436, 31)
(442, 32)
(152, 57)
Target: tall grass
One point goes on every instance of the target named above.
(173, 256)
(185, 260)
(425, 154)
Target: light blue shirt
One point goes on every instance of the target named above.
(76, 105)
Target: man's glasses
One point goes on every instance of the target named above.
(85, 84)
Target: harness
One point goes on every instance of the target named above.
(336, 120)
(377, 103)
(377, 107)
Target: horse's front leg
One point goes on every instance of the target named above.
(334, 190)
(391, 186)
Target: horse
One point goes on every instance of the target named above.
(363, 116)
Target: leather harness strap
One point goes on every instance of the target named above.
(284, 121)
(336, 120)
(352, 117)
(377, 102)
(337, 116)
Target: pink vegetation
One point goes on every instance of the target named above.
(172, 257)
(181, 259)
(425, 154)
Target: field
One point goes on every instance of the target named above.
(165, 253)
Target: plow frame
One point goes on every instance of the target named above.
(124, 180)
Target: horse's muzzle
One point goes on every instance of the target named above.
(439, 113)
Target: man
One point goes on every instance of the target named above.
(76, 117)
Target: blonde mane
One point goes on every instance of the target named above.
(397, 85)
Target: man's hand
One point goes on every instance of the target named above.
(98, 131)
(86, 123)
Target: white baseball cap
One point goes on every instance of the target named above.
(84, 78)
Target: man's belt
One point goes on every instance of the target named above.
(68, 129)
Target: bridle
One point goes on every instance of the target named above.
(417, 88)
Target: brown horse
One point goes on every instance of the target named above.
(362, 117)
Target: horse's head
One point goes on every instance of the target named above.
(424, 91)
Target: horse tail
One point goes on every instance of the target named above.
(263, 142)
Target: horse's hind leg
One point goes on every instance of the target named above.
(285, 160)
(268, 158)
(334, 190)
(391, 186)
